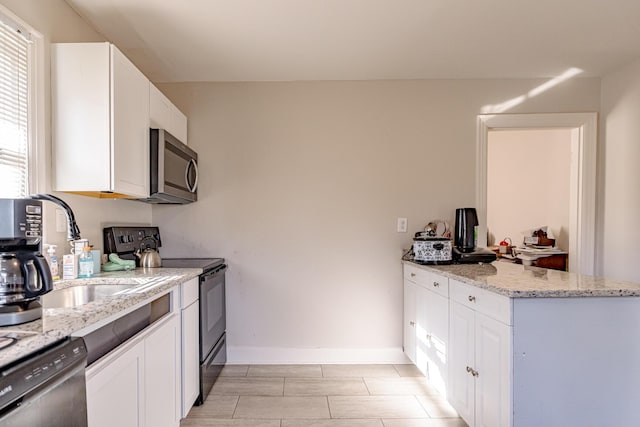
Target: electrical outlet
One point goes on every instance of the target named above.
(402, 225)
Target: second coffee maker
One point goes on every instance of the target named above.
(465, 239)
(466, 236)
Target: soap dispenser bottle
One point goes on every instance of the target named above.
(52, 259)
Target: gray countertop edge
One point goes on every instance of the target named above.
(517, 281)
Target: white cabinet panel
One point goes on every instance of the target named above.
(100, 121)
(164, 114)
(493, 359)
(162, 367)
(130, 127)
(190, 356)
(462, 345)
(480, 367)
(114, 387)
(410, 320)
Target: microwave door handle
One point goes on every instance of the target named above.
(192, 163)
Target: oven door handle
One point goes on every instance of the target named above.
(218, 270)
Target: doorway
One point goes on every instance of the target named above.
(528, 184)
(582, 128)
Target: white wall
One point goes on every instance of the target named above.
(619, 177)
(301, 185)
(57, 22)
(528, 183)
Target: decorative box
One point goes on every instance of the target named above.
(432, 250)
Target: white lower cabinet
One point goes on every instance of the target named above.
(137, 384)
(190, 345)
(461, 341)
(162, 375)
(480, 368)
(409, 343)
(114, 388)
(427, 325)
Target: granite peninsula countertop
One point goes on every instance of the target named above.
(57, 323)
(518, 281)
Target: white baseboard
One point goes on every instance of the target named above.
(279, 355)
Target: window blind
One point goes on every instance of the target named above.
(14, 108)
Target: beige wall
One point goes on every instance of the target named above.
(301, 185)
(57, 22)
(528, 183)
(619, 177)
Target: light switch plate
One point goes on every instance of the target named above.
(402, 225)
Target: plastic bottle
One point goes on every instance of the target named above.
(53, 262)
(85, 263)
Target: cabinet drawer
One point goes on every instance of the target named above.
(428, 280)
(189, 292)
(490, 304)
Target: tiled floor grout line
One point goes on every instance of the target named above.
(366, 386)
(329, 407)
(235, 408)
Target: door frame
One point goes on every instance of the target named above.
(583, 179)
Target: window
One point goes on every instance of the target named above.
(15, 63)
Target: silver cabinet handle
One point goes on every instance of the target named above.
(412, 323)
(469, 369)
(472, 298)
(436, 284)
(428, 337)
(413, 274)
(472, 371)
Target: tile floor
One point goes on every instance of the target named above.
(322, 396)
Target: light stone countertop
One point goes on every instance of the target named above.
(518, 281)
(57, 323)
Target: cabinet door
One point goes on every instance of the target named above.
(461, 344)
(190, 357)
(162, 367)
(164, 115)
(114, 389)
(422, 336)
(179, 125)
(129, 127)
(493, 361)
(437, 345)
(80, 87)
(410, 320)
(159, 109)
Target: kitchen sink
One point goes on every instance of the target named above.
(80, 295)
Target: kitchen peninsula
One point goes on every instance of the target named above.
(511, 345)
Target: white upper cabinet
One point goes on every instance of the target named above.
(164, 115)
(100, 125)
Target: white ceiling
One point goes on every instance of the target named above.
(284, 40)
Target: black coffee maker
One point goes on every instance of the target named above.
(465, 239)
(24, 273)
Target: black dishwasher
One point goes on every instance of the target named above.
(47, 388)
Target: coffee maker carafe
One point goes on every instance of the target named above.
(24, 273)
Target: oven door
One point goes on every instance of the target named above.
(212, 309)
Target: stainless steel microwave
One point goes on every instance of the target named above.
(174, 170)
